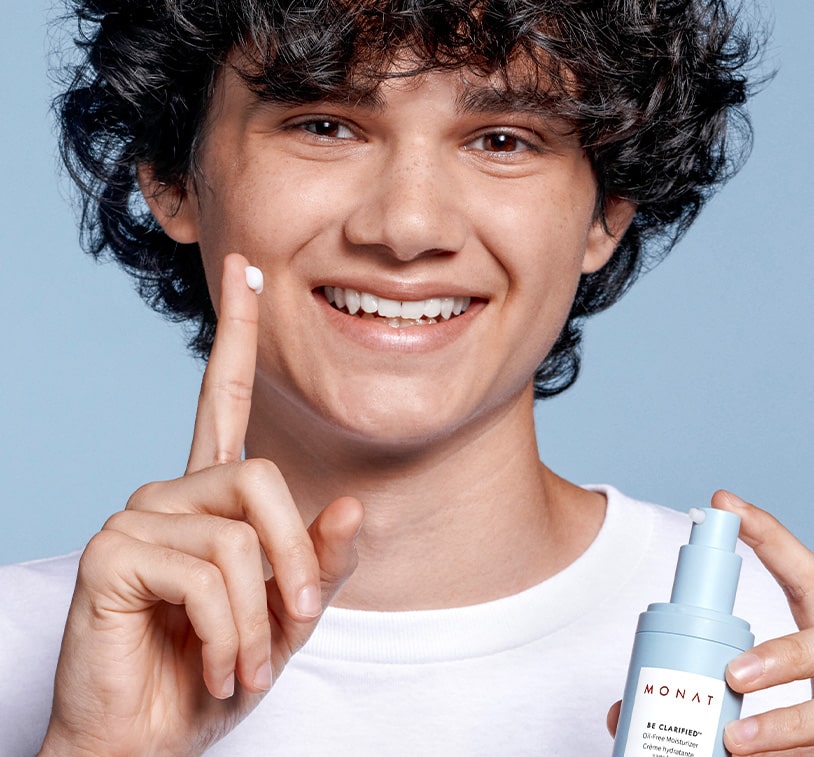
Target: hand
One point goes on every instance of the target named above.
(612, 719)
(174, 634)
(788, 731)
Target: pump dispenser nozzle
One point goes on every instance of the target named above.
(708, 568)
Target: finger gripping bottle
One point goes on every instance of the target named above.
(676, 701)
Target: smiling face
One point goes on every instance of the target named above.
(421, 248)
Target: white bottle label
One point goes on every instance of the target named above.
(675, 714)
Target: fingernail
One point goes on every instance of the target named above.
(263, 677)
(746, 668)
(309, 602)
(254, 279)
(741, 732)
(227, 689)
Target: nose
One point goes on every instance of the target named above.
(410, 206)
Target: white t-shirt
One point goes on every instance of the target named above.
(529, 674)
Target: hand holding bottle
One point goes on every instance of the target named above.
(788, 731)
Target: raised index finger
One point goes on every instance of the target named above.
(785, 557)
(226, 389)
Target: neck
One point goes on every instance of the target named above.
(464, 520)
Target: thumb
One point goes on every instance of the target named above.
(334, 535)
(612, 720)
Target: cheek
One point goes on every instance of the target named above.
(539, 236)
(269, 214)
(245, 217)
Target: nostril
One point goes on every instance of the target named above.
(408, 223)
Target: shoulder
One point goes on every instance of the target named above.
(34, 592)
(34, 601)
(645, 535)
(50, 570)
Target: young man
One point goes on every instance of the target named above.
(435, 193)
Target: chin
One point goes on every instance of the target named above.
(394, 416)
(388, 413)
(407, 427)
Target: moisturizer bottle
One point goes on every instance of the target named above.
(676, 701)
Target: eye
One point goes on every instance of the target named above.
(500, 142)
(326, 127)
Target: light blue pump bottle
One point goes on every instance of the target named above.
(676, 701)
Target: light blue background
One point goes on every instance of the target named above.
(700, 378)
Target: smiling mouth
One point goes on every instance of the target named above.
(396, 313)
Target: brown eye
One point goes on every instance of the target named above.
(324, 127)
(501, 143)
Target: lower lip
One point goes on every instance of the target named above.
(378, 335)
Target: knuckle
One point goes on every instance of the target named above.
(256, 631)
(237, 538)
(117, 522)
(791, 723)
(224, 456)
(795, 652)
(257, 472)
(235, 388)
(299, 551)
(224, 645)
(255, 479)
(796, 592)
(143, 497)
(205, 578)
(102, 547)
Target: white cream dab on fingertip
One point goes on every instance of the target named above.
(254, 279)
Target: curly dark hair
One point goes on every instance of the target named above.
(653, 88)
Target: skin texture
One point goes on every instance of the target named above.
(406, 204)
(426, 434)
(408, 200)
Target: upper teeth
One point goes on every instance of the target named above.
(353, 301)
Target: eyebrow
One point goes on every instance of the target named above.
(368, 99)
(497, 100)
(473, 100)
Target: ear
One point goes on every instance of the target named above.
(175, 208)
(603, 237)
